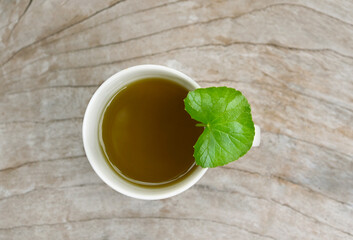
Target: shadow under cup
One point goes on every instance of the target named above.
(91, 133)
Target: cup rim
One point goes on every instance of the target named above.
(99, 163)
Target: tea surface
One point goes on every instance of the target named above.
(146, 134)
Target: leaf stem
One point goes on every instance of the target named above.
(200, 125)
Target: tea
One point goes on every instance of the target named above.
(146, 134)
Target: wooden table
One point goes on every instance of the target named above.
(292, 59)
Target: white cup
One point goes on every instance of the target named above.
(90, 133)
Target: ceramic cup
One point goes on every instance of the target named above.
(90, 132)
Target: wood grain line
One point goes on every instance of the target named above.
(170, 29)
(40, 161)
(198, 186)
(318, 12)
(51, 188)
(42, 122)
(59, 53)
(134, 38)
(282, 179)
(110, 20)
(185, 26)
(346, 155)
(51, 87)
(277, 46)
(204, 46)
(19, 19)
(311, 96)
(53, 34)
(211, 189)
(335, 104)
(208, 188)
(200, 23)
(61, 30)
(142, 218)
(312, 218)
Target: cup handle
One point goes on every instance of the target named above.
(257, 138)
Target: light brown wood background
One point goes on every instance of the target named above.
(292, 59)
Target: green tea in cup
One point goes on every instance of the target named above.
(146, 134)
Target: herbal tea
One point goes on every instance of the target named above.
(146, 134)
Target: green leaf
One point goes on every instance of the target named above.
(229, 130)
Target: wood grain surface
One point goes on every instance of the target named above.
(292, 59)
